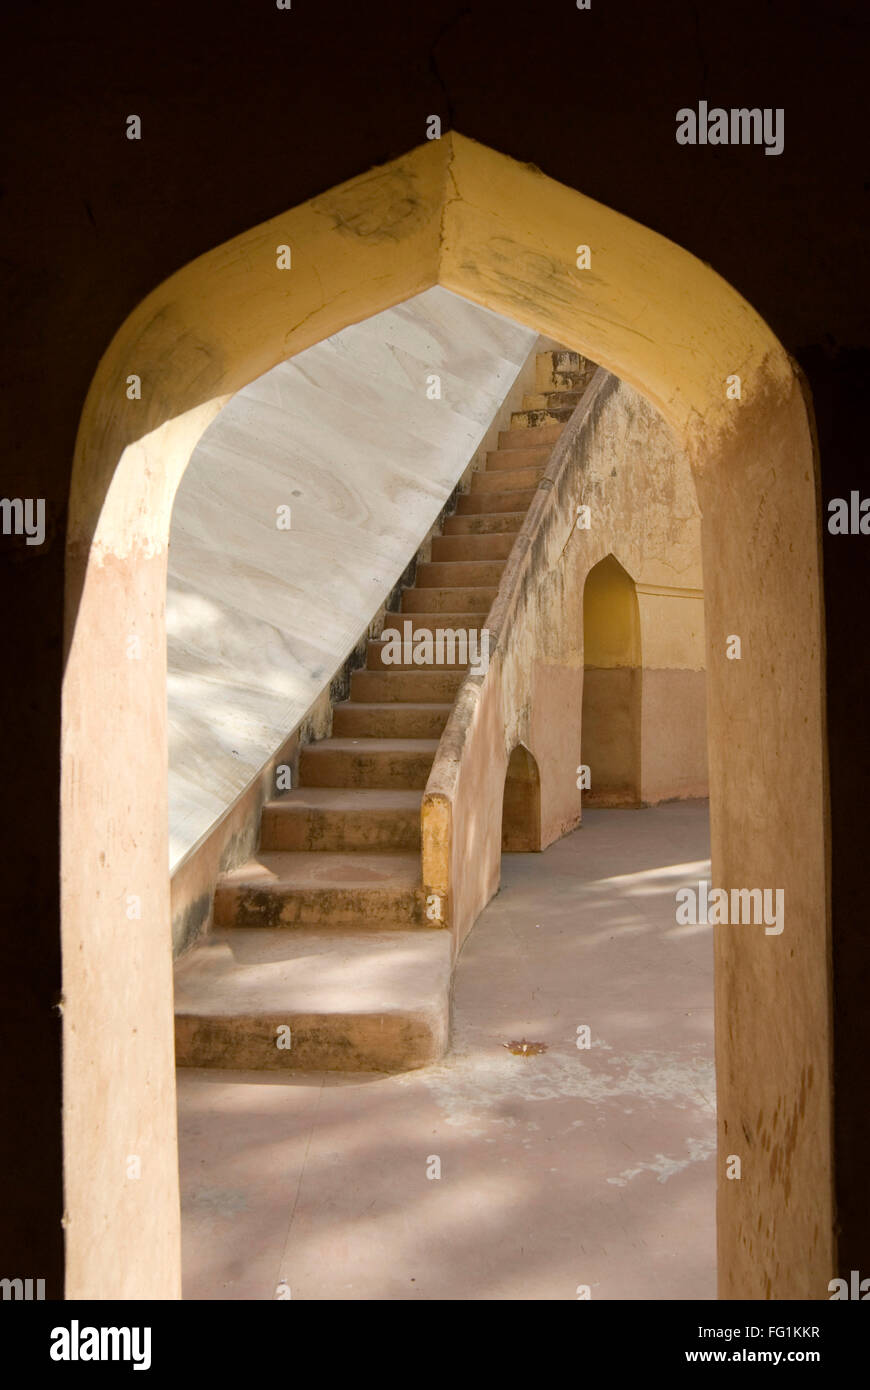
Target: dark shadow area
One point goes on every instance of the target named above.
(521, 808)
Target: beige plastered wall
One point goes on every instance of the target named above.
(502, 234)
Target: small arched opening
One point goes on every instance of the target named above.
(521, 808)
(612, 682)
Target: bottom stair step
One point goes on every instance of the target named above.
(353, 1002)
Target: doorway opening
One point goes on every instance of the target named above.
(501, 234)
(521, 806)
(612, 686)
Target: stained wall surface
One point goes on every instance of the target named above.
(351, 438)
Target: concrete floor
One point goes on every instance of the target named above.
(559, 1170)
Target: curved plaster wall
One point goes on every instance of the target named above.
(345, 435)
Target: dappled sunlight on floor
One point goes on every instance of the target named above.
(573, 1167)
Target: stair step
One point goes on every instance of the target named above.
(486, 523)
(435, 685)
(357, 1001)
(342, 820)
(470, 598)
(368, 762)
(429, 622)
(459, 573)
(555, 370)
(479, 503)
(527, 437)
(396, 719)
(507, 480)
(545, 400)
(479, 547)
(536, 419)
(511, 459)
(567, 381)
(365, 891)
(562, 360)
(454, 654)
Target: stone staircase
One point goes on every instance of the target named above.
(321, 955)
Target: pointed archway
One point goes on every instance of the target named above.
(612, 680)
(521, 805)
(504, 236)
